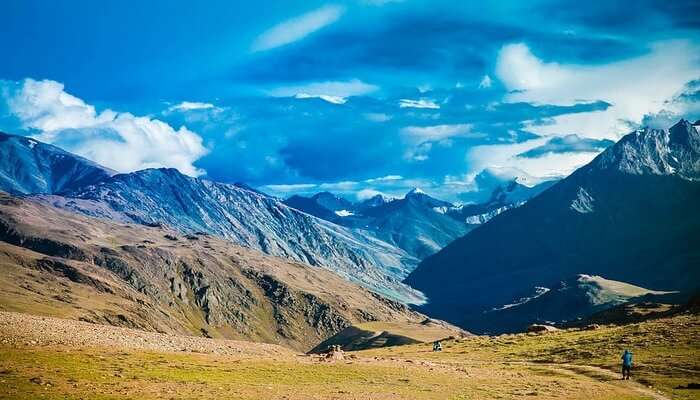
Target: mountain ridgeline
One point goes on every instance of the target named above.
(58, 263)
(167, 197)
(627, 216)
(417, 223)
(29, 166)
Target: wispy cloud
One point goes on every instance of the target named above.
(190, 106)
(485, 82)
(335, 92)
(420, 103)
(422, 134)
(298, 28)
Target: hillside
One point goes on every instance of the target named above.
(234, 212)
(29, 166)
(628, 216)
(371, 335)
(189, 205)
(61, 264)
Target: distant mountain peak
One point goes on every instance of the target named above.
(415, 191)
(675, 151)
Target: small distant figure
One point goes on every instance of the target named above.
(437, 346)
(626, 364)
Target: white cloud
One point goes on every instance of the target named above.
(385, 179)
(420, 139)
(421, 103)
(298, 28)
(365, 194)
(335, 92)
(505, 158)
(328, 98)
(120, 141)
(192, 105)
(634, 87)
(421, 134)
(485, 82)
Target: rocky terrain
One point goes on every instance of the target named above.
(30, 330)
(168, 198)
(238, 213)
(60, 264)
(628, 216)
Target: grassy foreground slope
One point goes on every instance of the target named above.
(666, 352)
(563, 365)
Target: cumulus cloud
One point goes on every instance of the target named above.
(121, 141)
(634, 87)
(511, 159)
(420, 103)
(298, 28)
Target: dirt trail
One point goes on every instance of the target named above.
(592, 372)
(605, 375)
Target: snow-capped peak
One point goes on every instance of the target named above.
(415, 190)
(344, 213)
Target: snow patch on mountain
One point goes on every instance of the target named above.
(539, 291)
(583, 203)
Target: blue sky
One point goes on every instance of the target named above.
(355, 97)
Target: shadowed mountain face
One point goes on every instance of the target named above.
(29, 166)
(58, 263)
(417, 223)
(628, 216)
(165, 196)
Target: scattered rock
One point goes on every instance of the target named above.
(537, 328)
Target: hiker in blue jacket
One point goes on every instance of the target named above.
(626, 364)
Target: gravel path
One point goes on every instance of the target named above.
(22, 329)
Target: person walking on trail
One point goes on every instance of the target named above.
(437, 346)
(626, 364)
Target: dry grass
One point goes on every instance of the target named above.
(549, 366)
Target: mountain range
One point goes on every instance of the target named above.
(58, 263)
(627, 216)
(417, 223)
(165, 197)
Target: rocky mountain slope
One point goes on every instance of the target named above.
(29, 166)
(61, 264)
(189, 205)
(628, 216)
(234, 212)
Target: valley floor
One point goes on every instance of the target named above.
(51, 358)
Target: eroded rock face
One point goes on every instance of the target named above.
(136, 277)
